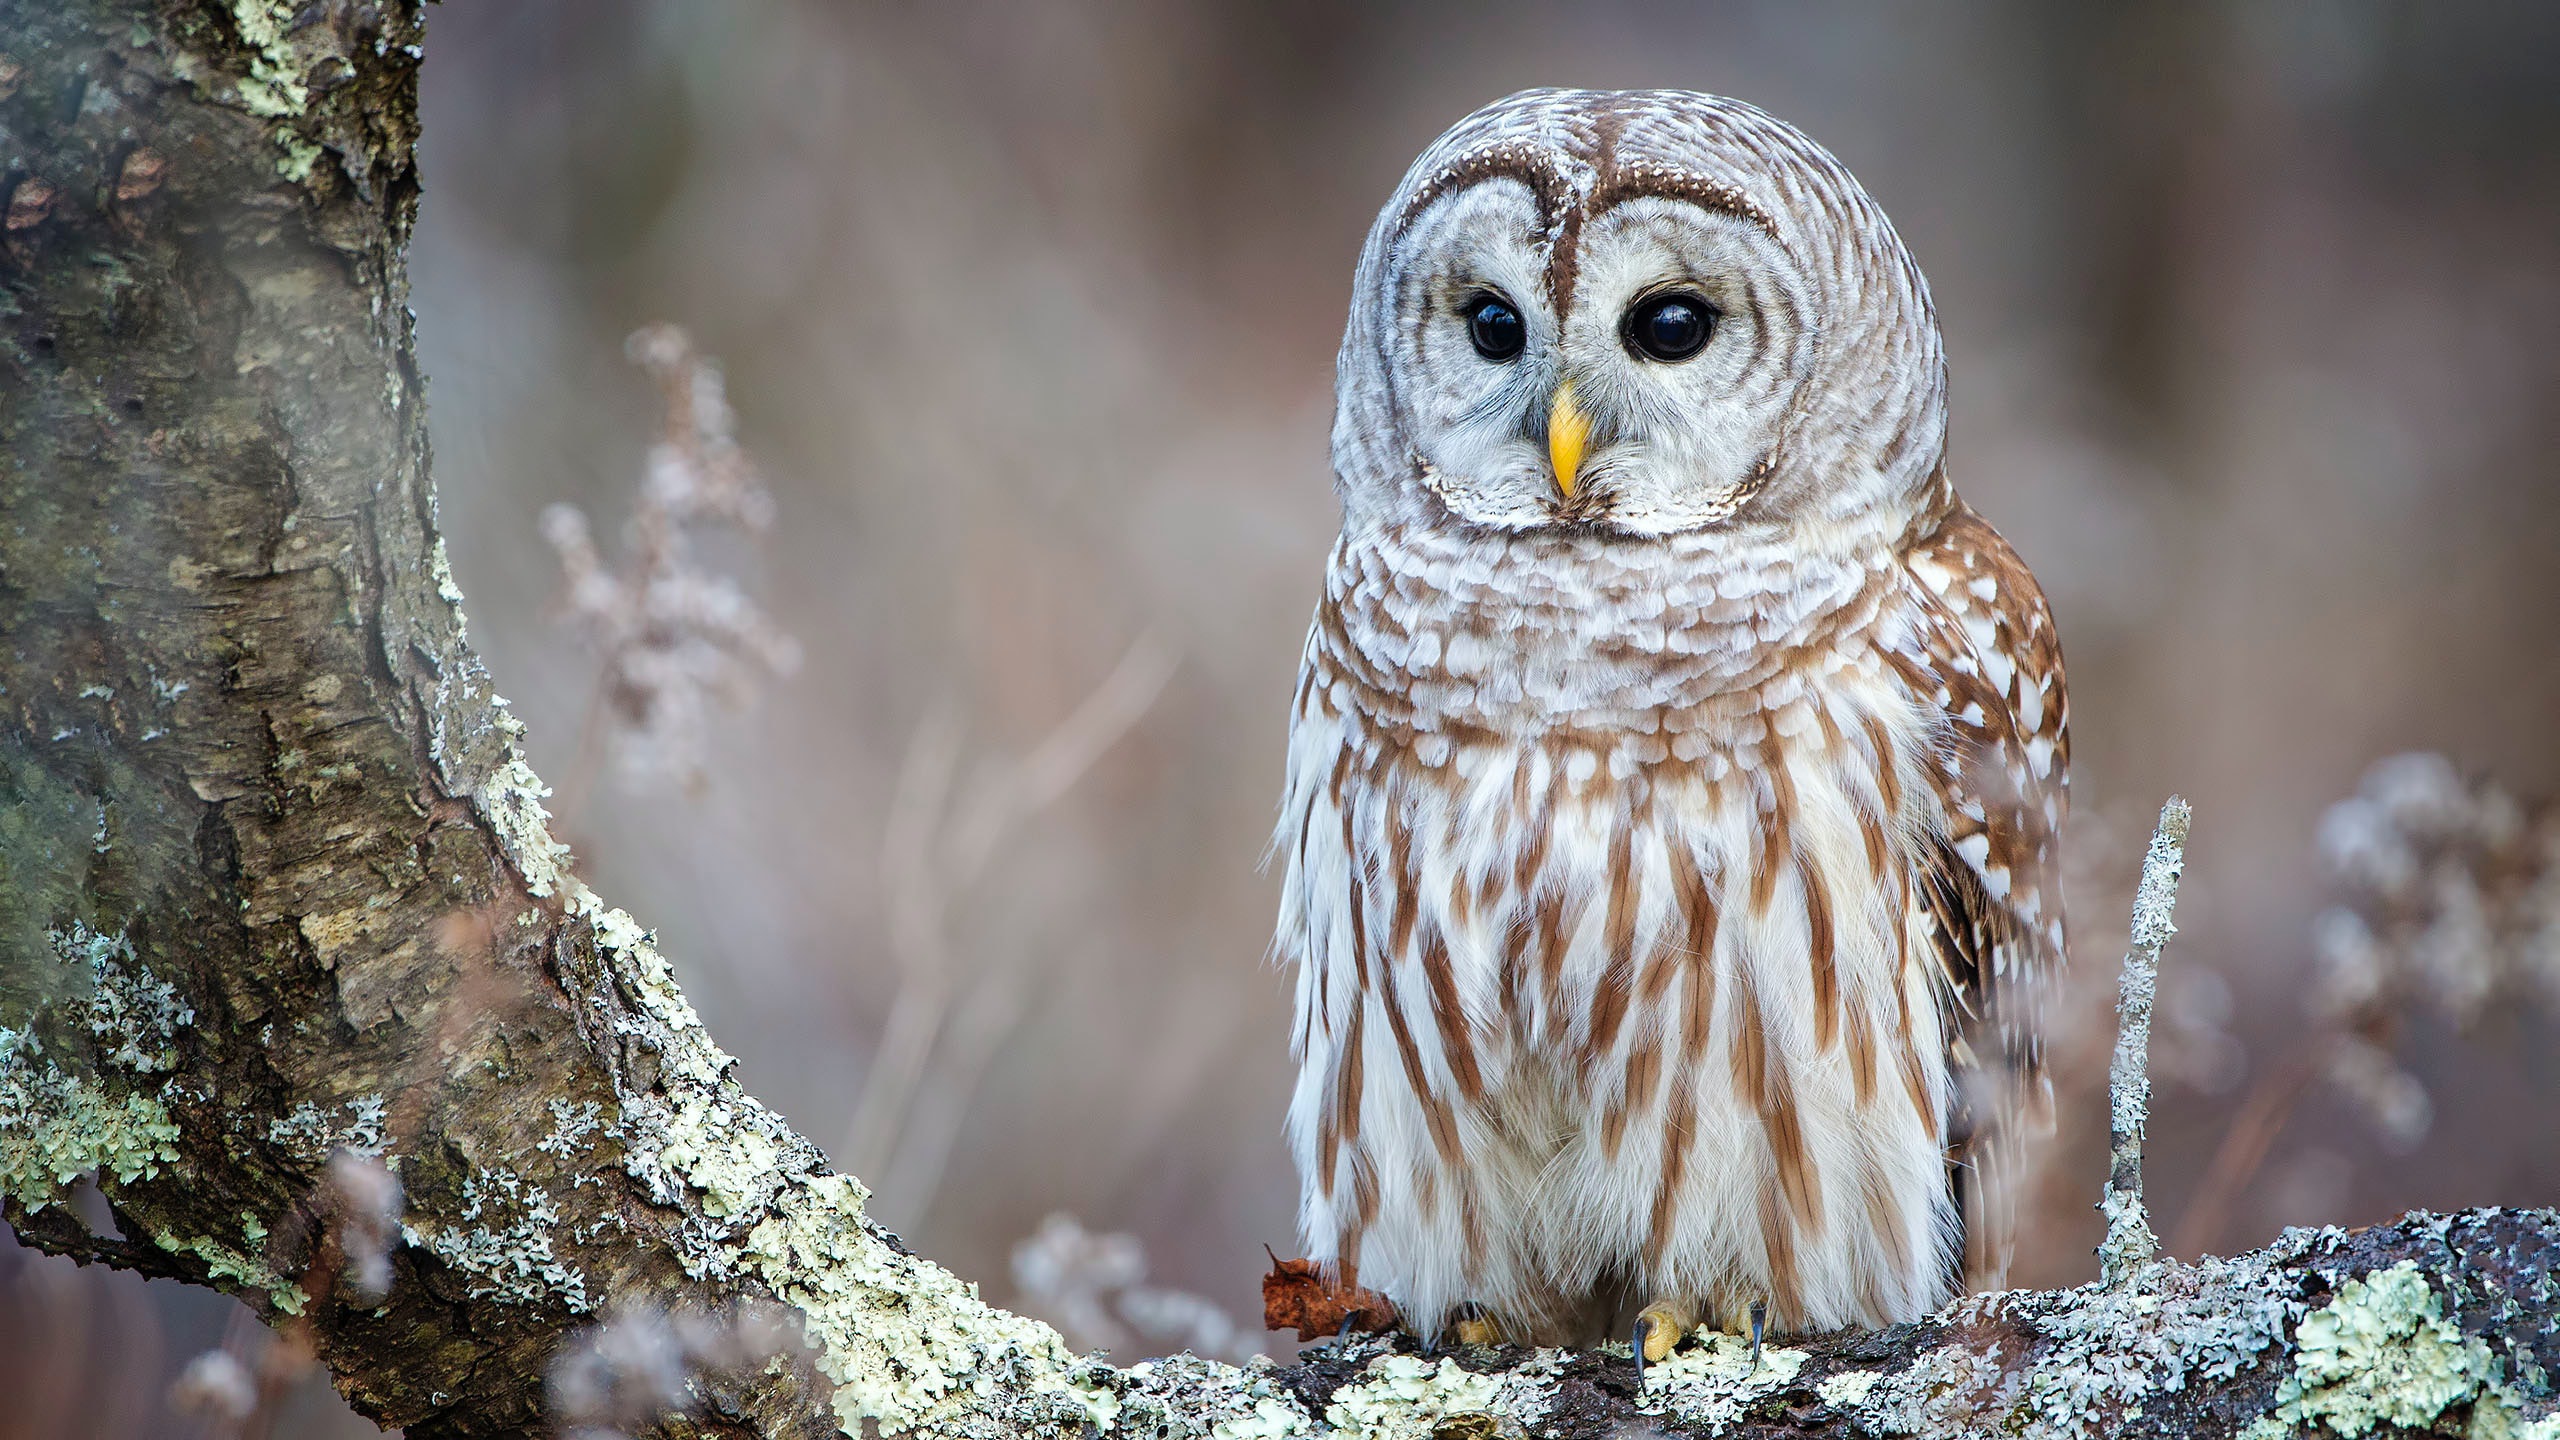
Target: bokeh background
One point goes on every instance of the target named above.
(1028, 314)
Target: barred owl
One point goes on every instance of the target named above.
(1676, 763)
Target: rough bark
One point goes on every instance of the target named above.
(275, 883)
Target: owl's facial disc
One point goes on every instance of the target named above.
(1636, 385)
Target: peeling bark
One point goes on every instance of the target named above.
(275, 883)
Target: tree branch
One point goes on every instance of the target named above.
(278, 886)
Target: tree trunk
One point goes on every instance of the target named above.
(276, 887)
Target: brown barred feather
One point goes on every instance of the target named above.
(1818, 951)
(1778, 1233)
(1562, 919)
(1862, 1055)
(1888, 783)
(1767, 1083)
(1995, 920)
(1437, 1114)
(1618, 936)
(1774, 842)
(1679, 1129)
(1699, 909)
(1457, 1040)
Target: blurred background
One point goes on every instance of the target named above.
(1027, 317)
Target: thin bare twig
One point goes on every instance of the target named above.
(2130, 1243)
(2244, 1147)
(935, 850)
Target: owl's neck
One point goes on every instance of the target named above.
(1535, 632)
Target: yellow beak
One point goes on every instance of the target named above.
(1568, 431)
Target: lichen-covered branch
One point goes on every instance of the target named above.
(278, 898)
(2130, 1242)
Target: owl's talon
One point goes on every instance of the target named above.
(1659, 1330)
(1475, 1325)
(1759, 1319)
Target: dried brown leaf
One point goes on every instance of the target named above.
(1298, 1295)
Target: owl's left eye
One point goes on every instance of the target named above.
(1670, 328)
(1497, 329)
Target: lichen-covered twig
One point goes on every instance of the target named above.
(2130, 1243)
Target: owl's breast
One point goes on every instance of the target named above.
(1681, 646)
(1570, 917)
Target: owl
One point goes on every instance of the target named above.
(1676, 763)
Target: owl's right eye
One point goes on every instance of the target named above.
(1497, 330)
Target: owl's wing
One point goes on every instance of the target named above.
(1992, 885)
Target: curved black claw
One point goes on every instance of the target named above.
(1638, 1341)
(1759, 1314)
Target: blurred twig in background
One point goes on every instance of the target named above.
(2451, 906)
(673, 637)
(645, 1362)
(1093, 1287)
(346, 1230)
(937, 847)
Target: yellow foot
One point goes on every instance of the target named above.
(1659, 1330)
(1476, 1326)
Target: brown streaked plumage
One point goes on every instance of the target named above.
(1691, 817)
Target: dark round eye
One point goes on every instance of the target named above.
(1496, 328)
(1670, 328)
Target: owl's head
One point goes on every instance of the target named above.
(1635, 313)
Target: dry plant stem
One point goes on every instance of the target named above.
(2244, 1148)
(2130, 1243)
(253, 774)
(932, 853)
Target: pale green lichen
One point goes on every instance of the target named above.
(2383, 1353)
(56, 1126)
(504, 1240)
(225, 1262)
(275, 86)
(1187, 1398)
(1529, 1389)
(1848, 1389)
(903, 1339)
(2112, 1352)
(313, 1133)
(570, 1127)
(1406, 1397)
(299, 159)
(1713, 1382)
(2118, 1348)
(1272, 1418)
(135, 1018)
(906, 1343)
(440, 568)
(510, 800)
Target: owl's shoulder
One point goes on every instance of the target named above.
(1987, 640)
(1989, 657)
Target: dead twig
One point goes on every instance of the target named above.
(935, 850)
(2130, 1243)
